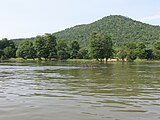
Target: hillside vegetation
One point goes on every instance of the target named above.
(114, 36)
(121, 29)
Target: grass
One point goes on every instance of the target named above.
(68, 60)
(78, 60)
(145, 60)
(21, 59)
(81, 60)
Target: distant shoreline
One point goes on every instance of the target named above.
(79, 60)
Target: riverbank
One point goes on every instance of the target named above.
(80, 60)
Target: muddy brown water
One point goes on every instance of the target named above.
(79, 91)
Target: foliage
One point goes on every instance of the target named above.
(7, 48)
(101, 46)
(140, 50)
(131, 55)
(63, 50)
(1, 54)
(6, 43)
(121, 29)
(157, 45)
(83, 54)
(50, 46)
(10, 52)
(26, 50)
(74, 49)
(149, 54)
(130, 38)
(122, 53)
(45, 46)
(131, 51)
(156, 54)
(39, 45)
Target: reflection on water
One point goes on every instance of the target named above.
(73, 91)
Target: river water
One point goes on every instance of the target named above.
(79, 91)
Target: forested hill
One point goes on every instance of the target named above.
(120, 28)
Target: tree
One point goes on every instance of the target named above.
(131, 55)
(122, 53)
(74, 50)
(131, 46)
(10, 52)
(156, 50)
(141, 54)
(140, 50)
(156, 54)
(45, 46)
(149, 54)
(101, 46)
(141, 46)
(1, 54)
(83, 54)
(6, 43)
(62, 50)
(131, 51)
(157, 45)
(108, 47)
(39, 45)
(26, 50)
(8, 48)
(50, 46)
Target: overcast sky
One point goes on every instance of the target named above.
(28, 18)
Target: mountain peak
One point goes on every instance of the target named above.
(122, 29)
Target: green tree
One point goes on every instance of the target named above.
(156, 54)
(101, 46)
(62, 50)
(156, 50)
(108, 46)
(74, 50)
(140, 50)
(141, 54)
(131, 51)
(39, 45)
(1, 54)
(50, 46)
(83, 54)
(26, 50)
(131, 55)
(10, 52)
(149, 54)
(8, 48)
(122, 53)
(141, 45)
(6, 43)
(157, 45)
(131, 45)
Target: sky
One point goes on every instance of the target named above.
(29, 18)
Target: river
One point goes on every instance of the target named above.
(79, 91)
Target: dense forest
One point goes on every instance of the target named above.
(100, 47)
(111, 37)
(120, 28)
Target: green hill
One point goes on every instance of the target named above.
(121, 29)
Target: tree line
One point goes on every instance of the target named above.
(100, 47)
